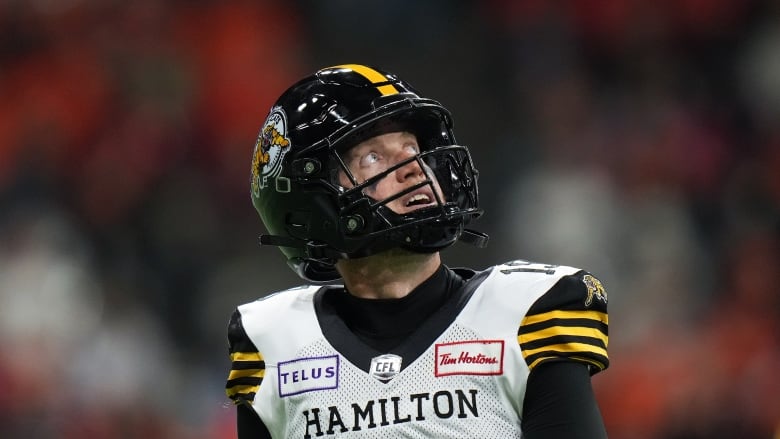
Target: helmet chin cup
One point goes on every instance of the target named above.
(296, 163)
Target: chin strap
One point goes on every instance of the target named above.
(314, 250)
(477, 239)
(319, 251)
(281, 241)
(468, 236)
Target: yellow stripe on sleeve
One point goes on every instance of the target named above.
(243, 373)
(245, 356)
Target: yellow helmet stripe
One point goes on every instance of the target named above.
(373, 76)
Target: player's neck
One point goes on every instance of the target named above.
(389, 275)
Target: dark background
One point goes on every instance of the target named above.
(637, 139)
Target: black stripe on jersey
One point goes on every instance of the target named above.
(243, 365)
(595, 362)
(244, 381)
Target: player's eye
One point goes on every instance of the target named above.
(412, 148)
(369, 159)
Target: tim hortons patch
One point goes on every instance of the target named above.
(478, 357)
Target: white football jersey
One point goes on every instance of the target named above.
(462, 374)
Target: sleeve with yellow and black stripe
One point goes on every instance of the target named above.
(247, 365)
(568, 323)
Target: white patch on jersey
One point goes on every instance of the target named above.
(308, 374)
(385, 367)
(478, 357)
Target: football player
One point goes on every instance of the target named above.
(360, 182)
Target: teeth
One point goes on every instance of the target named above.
(418, 197)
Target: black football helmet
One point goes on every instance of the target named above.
(297, 161)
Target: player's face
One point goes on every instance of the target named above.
(377, 154)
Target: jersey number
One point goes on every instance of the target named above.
(521, 266)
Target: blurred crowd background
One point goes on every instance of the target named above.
(638, 139)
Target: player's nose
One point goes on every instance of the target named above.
(411, 168)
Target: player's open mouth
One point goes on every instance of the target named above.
(419, 200)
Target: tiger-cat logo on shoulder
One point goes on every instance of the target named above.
(270, 148)
(595, 290)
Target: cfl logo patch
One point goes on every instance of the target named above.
(385, 367)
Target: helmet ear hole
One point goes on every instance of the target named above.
(306, 166)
